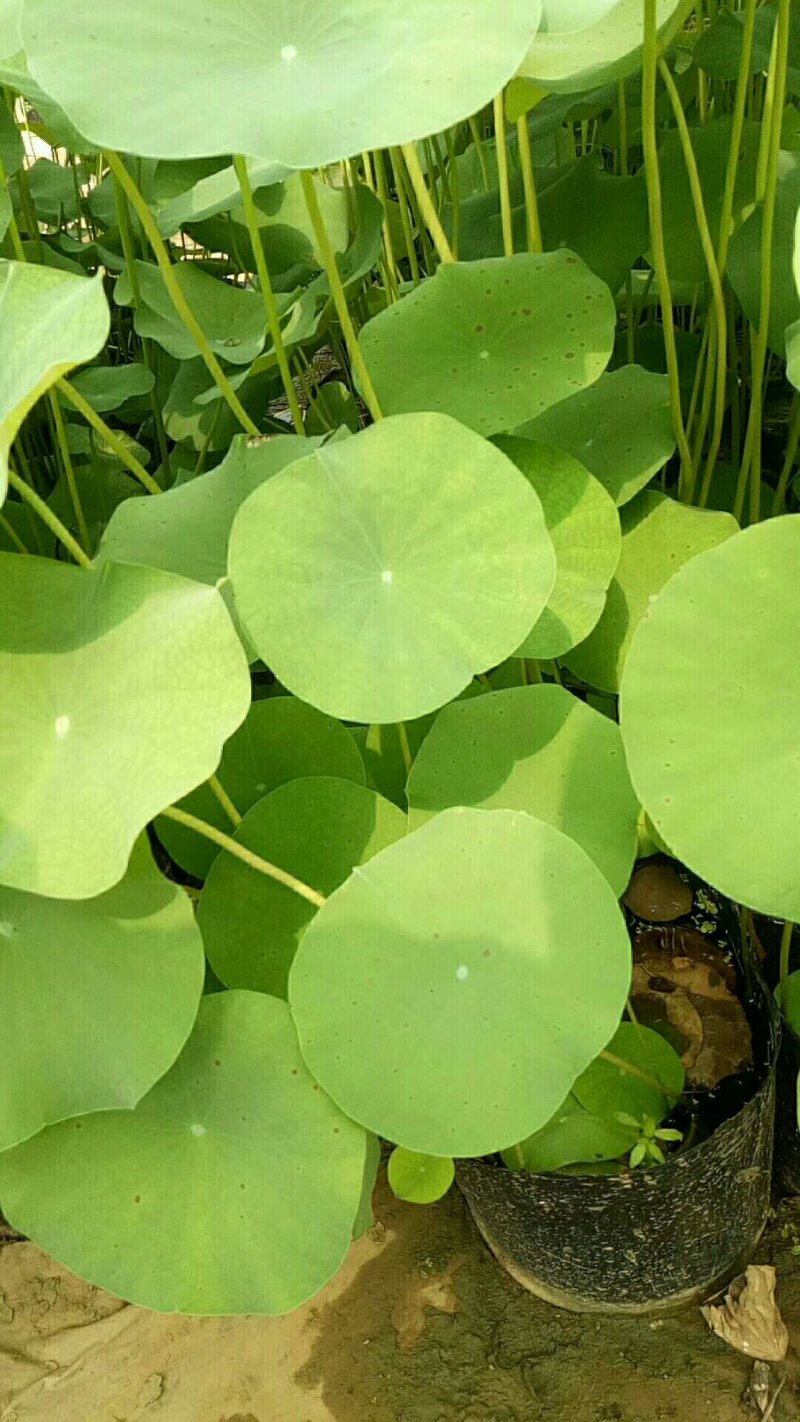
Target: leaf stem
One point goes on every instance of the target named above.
(47, 516)
(107, 435)
(267, 293)
(176, 296)
(502, 174)
(785, 951)
(529, 184)
(221, 794)
(653, 180)
(254, 861)
(426, 207)
(69, 470)
(339, 299)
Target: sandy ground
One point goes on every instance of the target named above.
(420, 1326)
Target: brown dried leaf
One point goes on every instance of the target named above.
(685, 985)
(749, 1320)
(656, 893)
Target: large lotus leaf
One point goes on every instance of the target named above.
(120, 685)
(49, 322)
(280, 739)
(709, 716)
(318, 829)
(232, 1187)
(538, 749)
(744, 264)
(583, 524)
(232, 318)
(106, 387)
(52, 190)
(378, 575)
(595, 42)
(10, 34)
(492, 343)
(99, 997)
(659, 535)
(319, 79)
(620, 429)
(187, 529)
(477, 966)
(711, 143)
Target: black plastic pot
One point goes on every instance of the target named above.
(647, 1239)
(787, 1135)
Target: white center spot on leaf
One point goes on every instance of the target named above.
(197, 1130)
(6, 930)
(62, 726)
(387, 576)
(261, 787)
(288, 53)
(462, 973)
(484, 355)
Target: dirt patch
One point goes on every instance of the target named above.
(421, 1326)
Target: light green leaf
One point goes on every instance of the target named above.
(538, 749)
(620, 429)
(49, 322)
(120, 686)
(280, 739)
(218, 192)
(573, 1136)
(606, 1089)
(10, 33)
(99, 997)
(594, 42)
(789, 1002)
(365, 1217)
(232, 318)
(106, 387)
(231, 1188)
(294, 69)
(186, 530)
(492, 343)
(318, 829)
(709, 716)
(378, 575)
(486, 962)
(583, 524)
(659, 535)
(420, 1179)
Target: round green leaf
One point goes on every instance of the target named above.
(98, 996)
(594, 42)
(120, 685)
(378, 575)
(573, 1136)
(620, 429)
(320, 79)
(604, 1088)
(186, 530)
(280, 739)
(709, 716)
(494, 342)
(49, 322)
(659, 535)
(476, 967)
(538, 749)
(420, 1179)
(231, 1188)
(106, 387)
(584, 528)
(318, 829)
